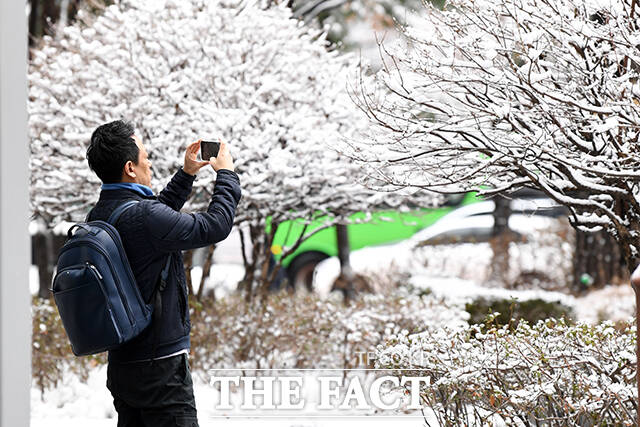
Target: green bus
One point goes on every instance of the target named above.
(384, 227)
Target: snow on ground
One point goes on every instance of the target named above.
(616, 303)
(74, 398)
(613, 302)
(457, 272)
(458, 290)
(77, 403)
(223, 278)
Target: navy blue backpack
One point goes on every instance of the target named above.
(95, 291)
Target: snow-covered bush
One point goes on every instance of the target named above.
(304, 331)
(550, 374)
(301, 331)
(187, 69)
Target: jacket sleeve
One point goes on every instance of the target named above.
(170, 230)
(177, 191)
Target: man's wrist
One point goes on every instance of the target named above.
(188, 172)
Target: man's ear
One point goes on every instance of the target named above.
(128, 169)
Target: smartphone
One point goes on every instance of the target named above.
(209, 149)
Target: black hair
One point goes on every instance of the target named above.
(111, 147)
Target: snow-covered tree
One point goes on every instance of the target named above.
(183, 70)
(352, 24)
(505, 94)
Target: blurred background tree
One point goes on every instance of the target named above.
(359, 25)
(44, 15)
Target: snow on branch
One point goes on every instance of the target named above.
(498, 95)
(183, 70)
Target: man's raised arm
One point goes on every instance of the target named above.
(170, 230)
(177, 191)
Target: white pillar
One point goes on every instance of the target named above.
(15, 319)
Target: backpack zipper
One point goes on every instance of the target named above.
(100, 284)
(94, 268)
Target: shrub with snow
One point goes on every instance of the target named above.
(304, 331)
(550, 373)
(300, 331)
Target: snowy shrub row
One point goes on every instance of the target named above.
(298, 330)
(550, 373)
(304, 331)
(478, 301)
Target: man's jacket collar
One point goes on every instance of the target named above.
(122, 194)
(142, 189)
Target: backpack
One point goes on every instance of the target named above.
(94, 288)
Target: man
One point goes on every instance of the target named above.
(149, 376)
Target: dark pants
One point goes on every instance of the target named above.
(154, 394)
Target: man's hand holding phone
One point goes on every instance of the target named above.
(192, 165)
(223, 160)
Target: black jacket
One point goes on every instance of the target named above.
(154, 229)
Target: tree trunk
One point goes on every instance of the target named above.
(597, 261)
(500, 240)
(346, 277)
(43, 259)
(251, 263)
(35, 30)
(208, 262)
(50, 16)
(344, 250)
(187, 259)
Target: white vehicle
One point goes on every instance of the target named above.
(472, 223)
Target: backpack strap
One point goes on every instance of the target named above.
(115, 215)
